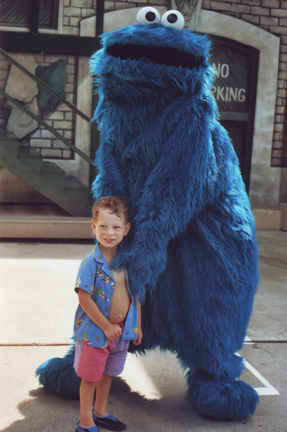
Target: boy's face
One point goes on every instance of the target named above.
(109, 228)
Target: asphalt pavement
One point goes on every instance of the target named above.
(37, 310)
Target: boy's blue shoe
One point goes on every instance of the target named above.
(91, 429)
(109, 422)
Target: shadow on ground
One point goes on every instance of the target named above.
(50, 413)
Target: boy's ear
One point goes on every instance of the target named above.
(127, 228)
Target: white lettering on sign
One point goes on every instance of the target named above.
(222, 70)
(228, 94)
(233, 94)
(241, 95)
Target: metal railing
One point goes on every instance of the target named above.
(54, 94)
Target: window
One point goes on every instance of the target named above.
(16, 13)
(48, 14)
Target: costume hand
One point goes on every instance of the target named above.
(113, 331)
(139, 258)
(123, 257)
(139, 337)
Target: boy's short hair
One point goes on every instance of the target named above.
(115, 205)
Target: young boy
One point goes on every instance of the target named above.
(107, 318)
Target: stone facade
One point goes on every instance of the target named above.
(61, 119)
(271, 16)
(268, 15)
(76, 10)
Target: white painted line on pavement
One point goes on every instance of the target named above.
(268, 390)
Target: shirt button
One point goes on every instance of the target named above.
(107, 313)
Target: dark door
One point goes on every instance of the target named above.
(234, 90)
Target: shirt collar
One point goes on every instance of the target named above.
(98, 256)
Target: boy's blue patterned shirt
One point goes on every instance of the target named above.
(96, 277)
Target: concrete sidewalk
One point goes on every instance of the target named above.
(37, 311)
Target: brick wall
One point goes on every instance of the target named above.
(271, 16)
(76, 10)
(62, 119)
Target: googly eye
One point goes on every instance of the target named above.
(174, 19)
(148, 15)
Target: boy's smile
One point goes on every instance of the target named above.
(110, 229)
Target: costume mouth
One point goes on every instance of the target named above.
(160, 55)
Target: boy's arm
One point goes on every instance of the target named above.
(112, 331)
(140, 333)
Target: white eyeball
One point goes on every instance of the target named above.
(174, 19)
(148, 15)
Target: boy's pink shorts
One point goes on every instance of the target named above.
(91, 363)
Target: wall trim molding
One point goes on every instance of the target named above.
(264, 179)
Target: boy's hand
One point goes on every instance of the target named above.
(112, 331)
(138, 340)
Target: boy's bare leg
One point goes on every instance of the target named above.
(87, 392)
(102, 395)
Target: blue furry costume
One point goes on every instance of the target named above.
(192, 252)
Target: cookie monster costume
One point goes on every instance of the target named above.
(192, 252)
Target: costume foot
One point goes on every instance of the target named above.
(90, 429)
(109, 422)
(221, 400)
(58, 376)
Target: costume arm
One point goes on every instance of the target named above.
(109, 180)
(181, 184)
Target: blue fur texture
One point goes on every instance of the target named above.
(57, 376)
(191, 253)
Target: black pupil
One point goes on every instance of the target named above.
(150, 16)
(172, 18)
